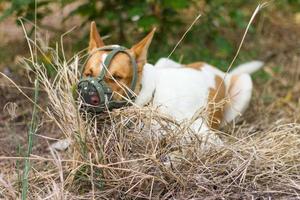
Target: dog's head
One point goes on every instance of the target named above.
(120, 71)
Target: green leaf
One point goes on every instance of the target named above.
(6, 13)
(239, 18)
(111, 15)
(66, 2)
(277, 69)
(16, 5)
(176, 4)
(261, 75)
(147, 22)
(135, 11)
(224, 48)
(21, 3)
(84, 10)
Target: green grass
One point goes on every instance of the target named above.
(31, 132)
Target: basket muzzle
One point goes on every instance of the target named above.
(96, 94)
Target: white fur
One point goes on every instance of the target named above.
(103, 57)
(247, 68)
(148, 85)
(180, 91)
(239, 95)
(240, 91)
(115, 45)
(167, 63)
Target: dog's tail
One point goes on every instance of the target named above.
(247, 68)
(239, 89)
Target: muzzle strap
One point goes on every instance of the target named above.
(90, 85)
(108, 60)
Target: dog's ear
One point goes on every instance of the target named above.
(141, 48)
(95, 39)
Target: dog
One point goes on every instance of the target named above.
(175, 89)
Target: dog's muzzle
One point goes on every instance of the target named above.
(89, 94)
(96, 95)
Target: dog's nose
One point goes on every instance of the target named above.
(94, 99)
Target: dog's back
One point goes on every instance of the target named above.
(181, 90)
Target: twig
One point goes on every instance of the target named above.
(188, 30)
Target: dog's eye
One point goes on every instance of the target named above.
(117, 77)
(89, 73)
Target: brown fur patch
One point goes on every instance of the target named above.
(215, 105)
(120, 69)
(196, 65)
(92, 67)
(233, 79)
(232, 82)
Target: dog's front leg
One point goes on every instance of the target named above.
(207, 135)
(148, 86)
(144, 97)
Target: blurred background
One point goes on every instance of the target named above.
(214, 38)
(274, 37)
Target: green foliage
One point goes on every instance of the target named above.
(277, 69)
(262, 76)
(26, 8)
(213, 39)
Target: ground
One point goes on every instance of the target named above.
(275, 106)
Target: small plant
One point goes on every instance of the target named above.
(32, 130)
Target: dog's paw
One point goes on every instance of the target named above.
(61, 145)
(211, 142)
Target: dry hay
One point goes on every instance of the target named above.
(122, 156)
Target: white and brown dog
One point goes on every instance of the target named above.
(177, 90)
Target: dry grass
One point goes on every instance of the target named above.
(124, 156)
(121, 156)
